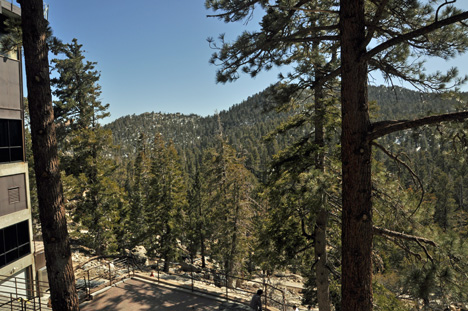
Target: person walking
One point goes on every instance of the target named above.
(256, 301)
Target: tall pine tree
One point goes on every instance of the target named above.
(167, 199)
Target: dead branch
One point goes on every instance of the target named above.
(425, 251)
(403, 247)
(390, 233)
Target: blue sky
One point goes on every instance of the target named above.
(153, 54)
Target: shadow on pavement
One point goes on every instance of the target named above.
(137, 295)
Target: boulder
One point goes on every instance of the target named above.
(138, 253)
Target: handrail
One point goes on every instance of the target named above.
(22, 294)
(272, 294)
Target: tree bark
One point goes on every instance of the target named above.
(357, 229)
(320, 233)
(321, 269)
(383, 128)
(44, 146)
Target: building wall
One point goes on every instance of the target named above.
(12, 194)
(15, 206)
(17, 173)
(10, 101)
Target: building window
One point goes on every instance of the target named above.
(14, 243)
(11, 140)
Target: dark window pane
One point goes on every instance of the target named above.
(24, 250)
(23, 232)
(16, 135)
(2, 243)
(4, 155)
(16, 154)
(10, 238)
(4, 142)
(12, 256)
(14, 242)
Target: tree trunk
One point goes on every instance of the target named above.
(202, 248)
(321, 257)
(44, 146)
(166, 245)
(356, 161)
(320, 233)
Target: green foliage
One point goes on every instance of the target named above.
(10, 36)
(228, 192)
(77, 89)
(93, 194)
(167, 198)
(385, 300)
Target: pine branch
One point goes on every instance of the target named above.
(442, 5)
(304, 231)
(228, 16)
(413, 174)
(382, 128)
(303, 10)
(308, 39)
(425, 251)
(414, 34)
(373, 25)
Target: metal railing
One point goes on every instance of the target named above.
(96, 278)
(208, 282)
(22, 294)
(232, 288)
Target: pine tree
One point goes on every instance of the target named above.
(167, 198)
(195, 218)
(97, 198)
(228, 193)
(138, 193)
(76, 89)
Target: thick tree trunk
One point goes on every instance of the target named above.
(44, 145)
(356, 161)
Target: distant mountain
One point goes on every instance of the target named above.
(246, 123)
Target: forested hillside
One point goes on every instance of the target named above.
(245, 125)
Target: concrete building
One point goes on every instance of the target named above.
(18, 271)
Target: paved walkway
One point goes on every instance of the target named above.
(137, 295)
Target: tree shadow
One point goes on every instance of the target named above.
(137, 295)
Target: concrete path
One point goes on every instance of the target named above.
(137, 295)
